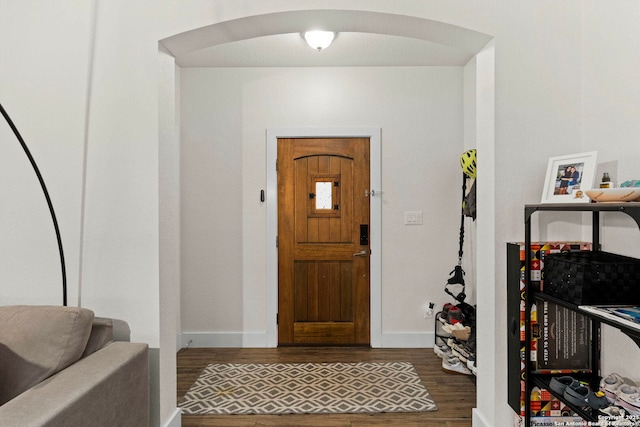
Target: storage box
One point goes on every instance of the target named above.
(516, 307)
(546, 410)
(592, 278)
(539, 252)
(560, 339)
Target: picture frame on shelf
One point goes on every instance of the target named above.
(569, 177)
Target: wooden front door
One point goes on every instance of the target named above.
(323, 248)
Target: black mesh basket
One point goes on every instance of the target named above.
(592, 278)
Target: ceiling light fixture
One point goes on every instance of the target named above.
(319, 39)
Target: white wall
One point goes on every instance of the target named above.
(121, 234)
(72, 72)
(121, 224)
(46, 90)
(611, 104)
(46, 100)
(169, 217)
(225, 113)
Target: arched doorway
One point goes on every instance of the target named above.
(475, 43)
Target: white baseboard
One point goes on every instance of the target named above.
(259, 339)
(407, 340)
(175, 420)
(224, 339)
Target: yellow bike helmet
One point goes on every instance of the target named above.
(468, 163)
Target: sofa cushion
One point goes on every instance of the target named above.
(38, 341)
(101, 335)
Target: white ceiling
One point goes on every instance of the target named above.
(349, 49)
(364, 39)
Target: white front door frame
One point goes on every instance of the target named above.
(375, 227)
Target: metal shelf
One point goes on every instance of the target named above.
(631, 332)
(584, 413)
(632, 209)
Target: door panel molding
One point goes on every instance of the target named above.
(374, 135)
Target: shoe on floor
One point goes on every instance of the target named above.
(441, 350)
(560, 384)
(455, 315)
(452, 328)
(453, 365)
(443, 316)
(460, 356)
(611, 383)
(581, 395)
(471, 364)
(460, 350)
(597, 400)
(442, 330)
(462, 334)
(629, 399)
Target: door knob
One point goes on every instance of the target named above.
(361, 253)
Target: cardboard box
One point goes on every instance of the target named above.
(561, 339)
(516, 257)
(546, 410)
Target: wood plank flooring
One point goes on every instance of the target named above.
(455, 395)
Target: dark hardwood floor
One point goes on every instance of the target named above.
(455, 395)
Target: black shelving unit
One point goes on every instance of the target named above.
(632, 209)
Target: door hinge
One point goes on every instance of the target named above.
(277, 241)
(276, 164)
(277, 318)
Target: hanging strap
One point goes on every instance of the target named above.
(458, 272)
(464, 190)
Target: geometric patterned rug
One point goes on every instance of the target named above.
(307, 388)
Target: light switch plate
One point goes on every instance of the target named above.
(413, 217)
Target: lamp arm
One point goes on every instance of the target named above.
(46, 195)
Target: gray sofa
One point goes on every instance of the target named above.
(60, 366)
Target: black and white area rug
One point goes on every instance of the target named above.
(307, 388)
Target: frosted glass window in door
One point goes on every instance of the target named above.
(323, 195)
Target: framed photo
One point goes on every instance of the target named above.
(568, 177)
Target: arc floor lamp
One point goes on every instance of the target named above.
(46, 195)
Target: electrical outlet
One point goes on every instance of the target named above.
(428, 310)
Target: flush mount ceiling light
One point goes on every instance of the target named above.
(319, 39)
